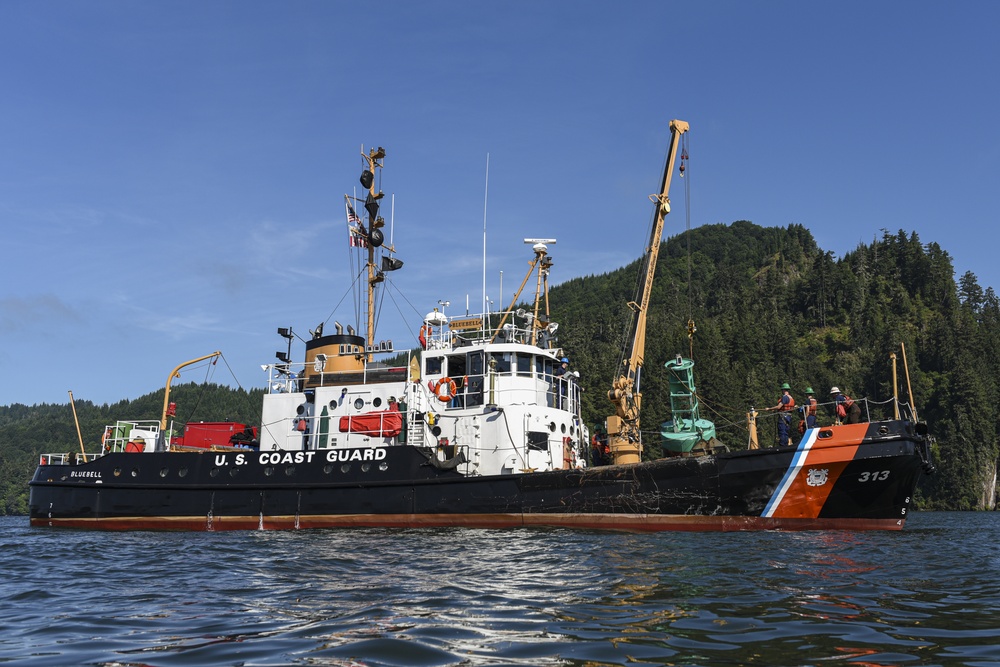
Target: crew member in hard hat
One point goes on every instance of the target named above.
(561, 372)
(809, 409)
(848, 411)
(785, 405)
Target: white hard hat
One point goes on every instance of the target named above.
(835, 390)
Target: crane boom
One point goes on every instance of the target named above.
(176, 374)
(624, 436)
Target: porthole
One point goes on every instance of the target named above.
(436, 431)
(334, 404)
(135, 472)
(883, 430)
(383, 466)
(164, 472)
(359, 403)
(268, 471)
(552, 426)
(826, 433)
(562, 427)
(234, 471)
(289, 471)
(572, 429)
(376, 401)
(118, 472)
(365, 467)
(327, 469)
(345, 468)
(214, 472)
(182, 472)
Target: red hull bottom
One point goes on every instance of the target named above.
(609, 522)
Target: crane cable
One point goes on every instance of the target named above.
(687, 216)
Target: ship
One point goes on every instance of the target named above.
(480, 426)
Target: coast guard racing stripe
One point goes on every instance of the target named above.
(814, 470)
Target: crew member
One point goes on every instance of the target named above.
(848, 411)
(560, 373)
(785, 405)
(599, 451)
(809, 409)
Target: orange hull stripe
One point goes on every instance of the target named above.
(815, 469)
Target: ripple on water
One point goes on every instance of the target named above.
(926, 595)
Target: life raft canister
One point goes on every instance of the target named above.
(569, 454)
(445, 389)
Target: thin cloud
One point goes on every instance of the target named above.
(19, 314)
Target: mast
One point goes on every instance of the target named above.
(540, 264)
(624, 435)
(76, 420)
(375, 238)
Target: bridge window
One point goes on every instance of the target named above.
(503, 360)
(524, 364)
(456, 366)
(433, 365)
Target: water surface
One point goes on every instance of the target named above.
(927, 595)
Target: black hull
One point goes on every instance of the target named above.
(848, 477)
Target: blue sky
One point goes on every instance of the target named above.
(172, 174)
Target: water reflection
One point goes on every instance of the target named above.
(532, 597)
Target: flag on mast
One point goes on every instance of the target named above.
(391, 263)
(357, 237)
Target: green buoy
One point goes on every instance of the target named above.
(686, 429)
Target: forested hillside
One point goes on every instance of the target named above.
(769, 306)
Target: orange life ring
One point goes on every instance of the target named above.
(425, 333)
(445, 389)
(107, 434)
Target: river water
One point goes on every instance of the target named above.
(929, 595)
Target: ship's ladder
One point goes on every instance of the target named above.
(418, 403)
(415, 436)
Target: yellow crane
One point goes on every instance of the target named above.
(176, 374)
(624, 438)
